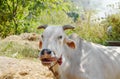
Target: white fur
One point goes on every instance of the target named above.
(86, 61)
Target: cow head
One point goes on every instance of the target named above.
(53, 42)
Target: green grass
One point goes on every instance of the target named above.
(92, 32)
(17, 50)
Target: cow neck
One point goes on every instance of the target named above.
(58, 61)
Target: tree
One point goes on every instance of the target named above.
(17, 16)
(114, 21)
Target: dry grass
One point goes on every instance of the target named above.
(15, 46)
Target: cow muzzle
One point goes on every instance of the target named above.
(47, 57)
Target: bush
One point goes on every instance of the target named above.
(18, 16)
(114, 21)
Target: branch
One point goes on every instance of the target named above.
(8, 6)
(15, 9)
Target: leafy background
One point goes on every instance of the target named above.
(20, 16)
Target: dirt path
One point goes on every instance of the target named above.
(11, 68)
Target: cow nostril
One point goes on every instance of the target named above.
(42, 53)
(49, 52)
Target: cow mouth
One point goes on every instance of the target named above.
(48, 61)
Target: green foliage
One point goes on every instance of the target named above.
(114, 21)
(17, 16)
(93, 33)
(97, 32)
(90, 31)
(11, 15)
(55, 18)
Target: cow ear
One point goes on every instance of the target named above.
(42, 26)
(40, 44)
(70, 44)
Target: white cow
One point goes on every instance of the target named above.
(80, 59)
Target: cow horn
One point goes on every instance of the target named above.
(65, 27)
(42, 26)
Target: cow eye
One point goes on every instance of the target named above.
(60, 37)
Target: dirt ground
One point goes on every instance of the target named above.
(12, 68)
